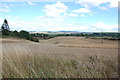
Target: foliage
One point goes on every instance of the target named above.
(110, 36)
(22, 34)
(6, 32)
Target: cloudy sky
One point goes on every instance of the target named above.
(74, 15)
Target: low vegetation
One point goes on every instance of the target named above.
(105, 35)
(22, 34)
(22, 65)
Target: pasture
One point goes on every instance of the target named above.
(59, 57)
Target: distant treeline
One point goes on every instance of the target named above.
(112, 36)
(22, 34)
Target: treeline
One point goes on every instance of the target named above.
(43, 36)
(51, 35)
(22, 34)
(112, 36)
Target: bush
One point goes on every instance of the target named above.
(15, 34)
(26, 35)
(6, 32)
(21, 34)
(35, 39)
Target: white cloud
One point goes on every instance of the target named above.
(95, 3)
(43, 24)
(4, 8)
(82, 15)
(104, 8)
(105, 27)
(50, 24)
(73, 15)
(113, 3)
(30, 3)
(55, 10)
(82, 10)
(23, 25)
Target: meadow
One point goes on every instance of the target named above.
(59, 57)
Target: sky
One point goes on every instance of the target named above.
(60, 15)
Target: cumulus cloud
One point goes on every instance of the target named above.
(95, 3)
(113, 3)
(99, 26)
(55, 10)
(54, 20)
(49, 24)
(82, 10)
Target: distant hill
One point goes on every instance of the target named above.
(66, 32)
(69, 31)
(54, 31)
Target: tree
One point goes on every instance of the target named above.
(2, 28)
(5, 32)
(24, 34)
(82, 34)
(5, 25)
(16, 33)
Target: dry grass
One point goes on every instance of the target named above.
(23, 59)
(82, 42)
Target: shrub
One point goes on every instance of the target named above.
(21, 34)
(26, 35)
(35, 40)
(6, 32)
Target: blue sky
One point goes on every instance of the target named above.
(79, 15)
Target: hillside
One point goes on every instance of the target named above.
(48, 59)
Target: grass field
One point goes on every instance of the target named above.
(60, 57)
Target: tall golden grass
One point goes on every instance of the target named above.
(19, 61)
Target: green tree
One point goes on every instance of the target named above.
(24, 34)
(82, 34)
(5, 32)
(16, 33)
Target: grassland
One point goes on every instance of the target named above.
(60, 57)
